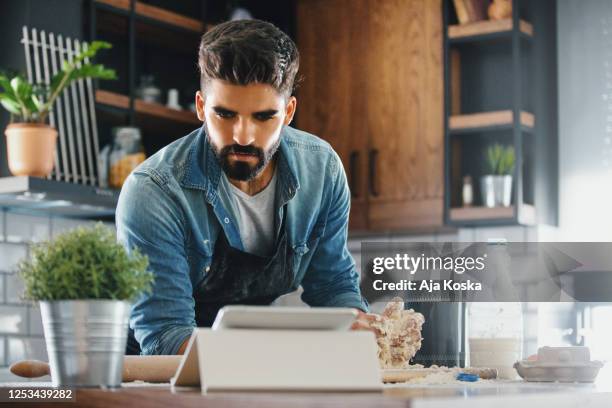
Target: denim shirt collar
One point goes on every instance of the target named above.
(201, 156)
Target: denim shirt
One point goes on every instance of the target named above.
(170, 208)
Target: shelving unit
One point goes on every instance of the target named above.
(146, 108)
(489, 120)
(157, 14)
(145, 38)
(493, 94)
(469, 214)
(487, 29)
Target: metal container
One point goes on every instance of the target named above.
(85, 341)
(443, 333)
(496, 190)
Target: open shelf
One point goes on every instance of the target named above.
(147, 108)
(157, 14)
(467, 215)
(482, 111)
(489, 121)
(486, 29)
(170, 36)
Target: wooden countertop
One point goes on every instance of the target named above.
(525, 395)
(483, 394)
(164, 397)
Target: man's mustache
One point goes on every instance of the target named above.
(236, 148)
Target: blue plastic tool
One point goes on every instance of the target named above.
(467, 377)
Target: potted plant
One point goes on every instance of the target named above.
(30, 141)
(84, 281)
(496, 186)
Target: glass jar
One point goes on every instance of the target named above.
(125, 155)
(147, 90)
(495, 329)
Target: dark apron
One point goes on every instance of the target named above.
(237, 277)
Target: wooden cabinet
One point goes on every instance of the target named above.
(332, 98)
(373, 87)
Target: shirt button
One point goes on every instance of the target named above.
(207, 268)
(226, 220)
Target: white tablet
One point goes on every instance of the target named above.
(287, 318)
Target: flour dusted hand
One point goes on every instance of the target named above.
(398, 334)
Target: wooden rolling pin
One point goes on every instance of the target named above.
(153, 369)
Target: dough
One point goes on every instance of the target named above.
(399, 335)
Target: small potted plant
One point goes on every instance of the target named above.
(85, 280)
(30, 141)
(496, 186)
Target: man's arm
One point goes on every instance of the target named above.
(331, 278)
(148, 218)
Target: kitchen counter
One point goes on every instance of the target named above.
(473, 395)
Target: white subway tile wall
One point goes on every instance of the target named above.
(13, 319)
(10, 255)
(35, 327)
(22, 348)
(21, 332)
(14, 288)
(59, 225)
(26, 228)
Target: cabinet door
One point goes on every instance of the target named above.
(331, 98)
(405, 113)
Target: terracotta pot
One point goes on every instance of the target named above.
(30, 149)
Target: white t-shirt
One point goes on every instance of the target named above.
(255, 216)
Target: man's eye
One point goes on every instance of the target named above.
(263, 118)
(225, 115)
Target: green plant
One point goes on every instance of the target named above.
(85, 263)
(32, 103)
(500, 160)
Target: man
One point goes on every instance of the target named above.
(243, 210)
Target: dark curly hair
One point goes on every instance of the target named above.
(243, 52)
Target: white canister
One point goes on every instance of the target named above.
(173, 99)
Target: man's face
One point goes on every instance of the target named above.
(243, 124)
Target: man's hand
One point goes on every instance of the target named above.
(367, 321)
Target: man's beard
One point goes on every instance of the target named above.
(242, 170)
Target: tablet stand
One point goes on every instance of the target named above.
(280, 360)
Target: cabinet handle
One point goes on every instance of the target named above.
(372, 178)
(354, 157)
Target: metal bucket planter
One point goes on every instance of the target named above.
(85, 341)
(496, 190)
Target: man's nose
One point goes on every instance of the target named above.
(243, 132)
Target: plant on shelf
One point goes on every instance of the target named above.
(496, 185)
(500, 159)
(30, 140)
(85, 280)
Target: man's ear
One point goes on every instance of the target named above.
(199, 102)
(290, 110)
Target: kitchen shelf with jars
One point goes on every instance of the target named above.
(98, 131)
(501, 118)
(151, 103)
